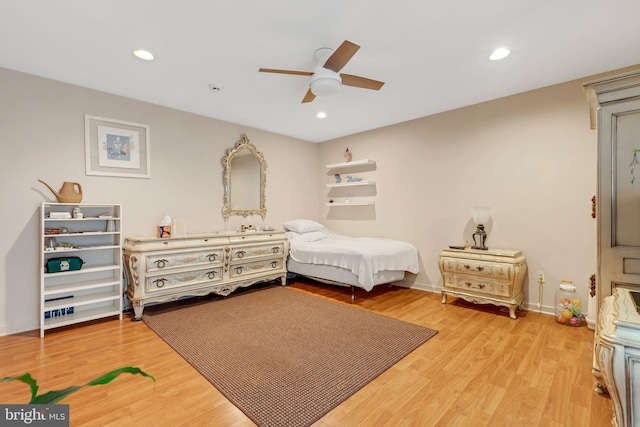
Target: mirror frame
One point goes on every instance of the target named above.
(243, 144)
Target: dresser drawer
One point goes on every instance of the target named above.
(478, 268)
(479, 285)
(162, 282)
(254, 251)
(157, 262)
(248, 268)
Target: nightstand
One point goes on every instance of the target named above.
(493, 276)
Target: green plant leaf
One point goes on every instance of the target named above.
(110, 376)
(54, 396)
(27, 379)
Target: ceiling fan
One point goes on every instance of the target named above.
(325, 78)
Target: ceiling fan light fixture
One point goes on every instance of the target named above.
(500, 53)
(325, 86)
(143, 54)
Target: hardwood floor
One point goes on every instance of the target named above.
(481, 369)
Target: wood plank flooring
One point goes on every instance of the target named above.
(481, 369)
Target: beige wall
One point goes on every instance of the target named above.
(531, 157)
(42, 137)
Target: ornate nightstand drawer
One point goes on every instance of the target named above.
(478, 268)
(183, 259)
(480, 286)
(168, 281)
(254, 251)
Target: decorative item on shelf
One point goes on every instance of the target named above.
(480, 217)
(347, 155)
(466, 245)
(353, 179)
(338, 178)
(50, 243)
(568, 308)
(71, 192)
(77, 213)
(111, 226)
(59, 215)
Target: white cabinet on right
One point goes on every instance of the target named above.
(617, 351)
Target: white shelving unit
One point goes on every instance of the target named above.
(355, 165)
(95, 290)
(343, 165)
(351, 184)
(350, 203)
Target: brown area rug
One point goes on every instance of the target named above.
(283, 357)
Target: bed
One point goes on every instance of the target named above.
(363, 262)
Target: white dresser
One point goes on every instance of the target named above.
(493, 276)
(161, 270)
(617, 356)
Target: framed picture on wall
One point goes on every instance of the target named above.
(116, 148)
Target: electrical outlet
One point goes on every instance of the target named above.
(540, 276)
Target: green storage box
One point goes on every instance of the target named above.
(56, 265)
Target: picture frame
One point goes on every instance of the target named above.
(116, 148)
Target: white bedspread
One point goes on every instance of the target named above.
(364, 256)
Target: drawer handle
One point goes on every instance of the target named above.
(211, 274)
(239, 269)
(240, 254)
(275, 249)
(470, 285)
(161, 263)
(212, 257)
(274, 264)
(159, 282)
(467, 267)
(480, 268)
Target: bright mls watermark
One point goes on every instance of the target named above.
(34, 415)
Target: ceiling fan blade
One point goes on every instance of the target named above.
(297, 73)
(341, 56)
(309, 96)
(362, 82)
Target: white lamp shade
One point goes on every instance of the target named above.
(481, 214)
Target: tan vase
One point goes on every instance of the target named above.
(71, 192)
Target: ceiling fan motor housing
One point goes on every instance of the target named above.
(324, 82)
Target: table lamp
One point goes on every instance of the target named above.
(480, 217)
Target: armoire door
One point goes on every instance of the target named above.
(617, 100)
(619, 196)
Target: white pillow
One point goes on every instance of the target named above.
(302, 225)
(310, 236)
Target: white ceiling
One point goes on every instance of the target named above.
(431, 54)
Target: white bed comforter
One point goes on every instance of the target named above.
(363, 256)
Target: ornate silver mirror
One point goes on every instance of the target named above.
(244, 177)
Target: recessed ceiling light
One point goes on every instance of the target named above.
(501, 52)
(321, 115)
(143, 54)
